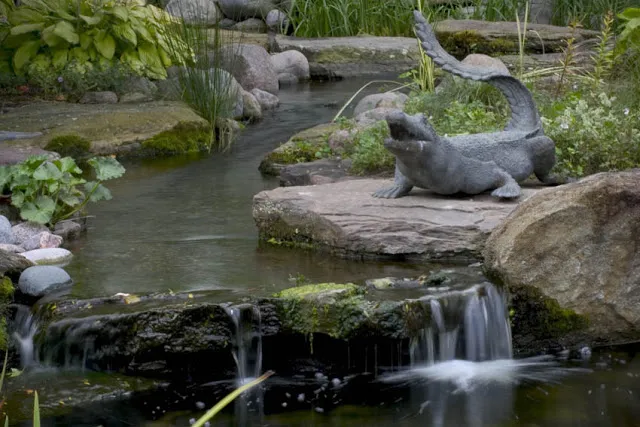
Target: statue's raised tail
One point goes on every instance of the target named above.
(524, 114)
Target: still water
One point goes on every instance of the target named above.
(185, 223)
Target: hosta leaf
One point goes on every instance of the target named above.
(47, 171)
(25, 16)
(91, 20)
(120, 12)
(66, 31)
(26, 28)
(85, 40)
(24, 53)
(148, 54)
(141, 30)
(164, 57)
(106, 45)
(97, 191)
(106, 168)
(79, 54)
(60, 58)
(126, 33)
(50, 38)
(630, 13)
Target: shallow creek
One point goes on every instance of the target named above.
(185, 224)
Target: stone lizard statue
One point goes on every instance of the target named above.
(474, 163)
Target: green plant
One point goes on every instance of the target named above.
(588, 12)
(206, 87)
(54, 33)
(422, 77)
(369, 154)
(48, 191)
(630, 35)
(605, 55)
(323, 18)
(69, 146)
(522, 37)
(593, 133)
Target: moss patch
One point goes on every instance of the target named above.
(463, 43)
(6, 292)
(316, 290)
(70, 146)
(185, 137)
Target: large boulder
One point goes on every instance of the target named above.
(251, 66)
(195, 11)
(381, 100)
(6, 234)
(347, 220)
(266, 100)
(578, 244)
(291, 62)
(40, 280)
(239, 10)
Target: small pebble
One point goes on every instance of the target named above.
(320, 410)
(284, 404)
(192, 421)
(200, 405)
(335, 382)
(301, 397)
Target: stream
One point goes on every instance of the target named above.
(184, 224)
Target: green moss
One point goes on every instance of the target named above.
(6, 292)
(70, 146)
(290, 244)
(463, 43)
(300, 292)
(185, 137)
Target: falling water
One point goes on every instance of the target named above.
(247, 353)
(25, 327)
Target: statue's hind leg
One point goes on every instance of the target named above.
(544, 160)
(508, 188)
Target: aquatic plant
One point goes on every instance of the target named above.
(47, 191)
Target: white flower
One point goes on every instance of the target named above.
(564, 125)
(625, 111)
(575, 87)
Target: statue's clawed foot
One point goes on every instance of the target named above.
(393, 192)
(509, 188)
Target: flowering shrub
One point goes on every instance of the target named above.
(593, 134)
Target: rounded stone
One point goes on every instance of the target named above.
(48, 256)
(41, 280)
(277, 20)
(6, 235)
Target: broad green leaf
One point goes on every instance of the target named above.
(126, 33)
(106, 168)
(105, 44)
(50, 38)
(120, 12)
(97, 192)
(52, 187)
(91, 20)
(66, 31)
(17, 199)
(71, 199)
(47, 171)
(6, 173)
(67, 164)
(149, 55)
(60, 58)
(630, 13)
(25, 15)
(26, 28)
(85, 40)
(39, 211)
(24, 54)
(164, 57)
(79, 54)
(141, 30)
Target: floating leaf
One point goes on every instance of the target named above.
(107, 168)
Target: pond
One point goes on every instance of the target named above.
(185, 223)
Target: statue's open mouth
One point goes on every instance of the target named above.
(397, 146)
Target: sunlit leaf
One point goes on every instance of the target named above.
(97, 191)
(47, 171)
(105, 44)
(65, 30)
(25, 53)
(106, 168)
(26, 28)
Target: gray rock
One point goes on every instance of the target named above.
(135, 97)
(277, 21)
(6, 235)
(291, 62)
(26, 233)
(11, 248)
(381, 100)
(169, 89)
(140, 85)
(12, 154)
(312, 173)
(104, 97)
(485, 61)
(41, 241)
(11, 263)
(343, 218)
(68, 230)
(41, 280)
(578, 244)
(541, 11)
(266, 100)
(341, 139)
(244, 9)
(287, 79)
(251, 25)
(251, 66)
(198, 12)
(6, 135)
(226, 23)
(251, 106)
(371, 117)
(48, 256)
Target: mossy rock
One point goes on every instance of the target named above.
(301, 148)
(70, 146)
(469, 41)
(185, 137)
(6, 292)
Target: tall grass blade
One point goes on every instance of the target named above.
(229, 398)
(4, 368)
(36, 410)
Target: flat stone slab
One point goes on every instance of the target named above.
(48, 256)
(111, 128)
(345, 219)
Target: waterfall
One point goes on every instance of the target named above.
(25, 327)
(247, 353)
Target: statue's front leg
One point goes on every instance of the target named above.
(400, 188)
